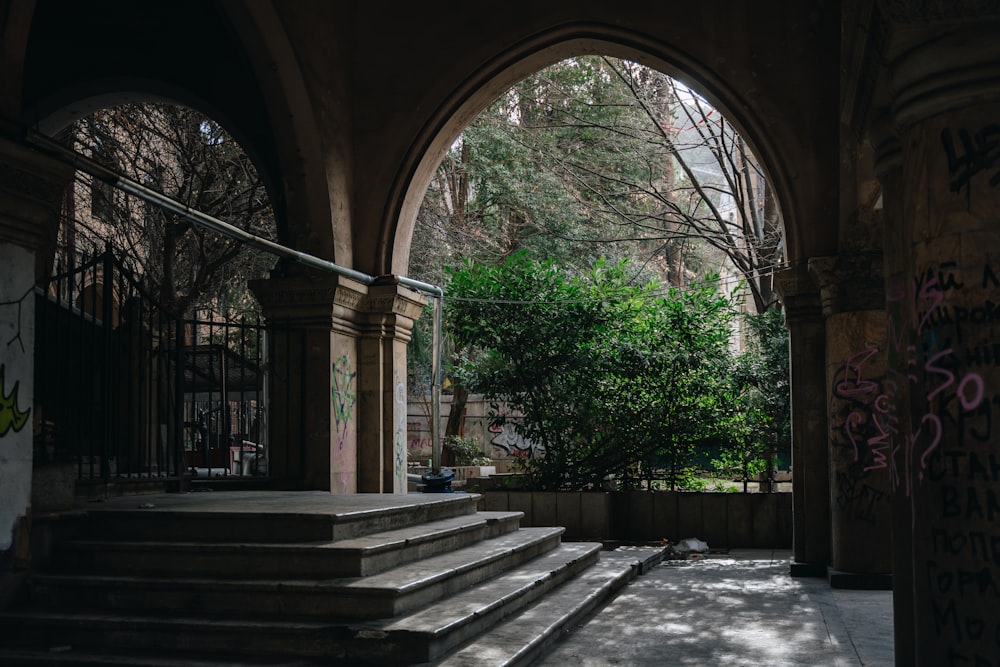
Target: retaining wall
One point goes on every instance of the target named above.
(723, 520)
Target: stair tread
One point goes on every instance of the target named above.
(396, 580)
(435, 620)
(525, 634)
(472, 589)
(373, 542)
(71, 656)
(439, 617)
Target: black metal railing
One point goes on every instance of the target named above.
(129, 392)
(225, 415)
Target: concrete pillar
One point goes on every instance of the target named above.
(31, 189)
(946, 108)
(337, 381)
(391, 312)
(313, 379)
(810, 467)
(853, 298)
(898, 291)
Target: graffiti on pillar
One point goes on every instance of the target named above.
(856, 497)
(950, 454)
(399, 433)
(862, 422)
(861, 434)
(506, 437)
(12, 418)
(930, 364)
(973, 153)
(343, 396)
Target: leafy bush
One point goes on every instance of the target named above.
(467, 451)
(612, 379)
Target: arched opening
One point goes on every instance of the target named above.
(149, 342)
(547, 49)
(635, 170)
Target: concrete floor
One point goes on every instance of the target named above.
(740, 609)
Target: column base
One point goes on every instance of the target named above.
(815, 570)
(860, 581)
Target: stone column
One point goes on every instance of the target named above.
(853, 298)
(31, 189)
(810, 467)
(313, 331)
(898, 292)
(946, 107)
(391, 312)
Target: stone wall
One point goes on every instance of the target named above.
(498, 443)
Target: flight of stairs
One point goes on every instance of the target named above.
(429, 582)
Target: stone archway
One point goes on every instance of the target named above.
(810, 224)
(463, 105)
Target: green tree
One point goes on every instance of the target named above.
(183, 154)
(757, 428)
(601, 157)
(613, 380)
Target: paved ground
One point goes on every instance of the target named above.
(741, 609)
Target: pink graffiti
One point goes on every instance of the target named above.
(942, 386)
(936, 421)
(879, 444)
(854, 382)
(980, 389)
(854, 419)
(927, 293)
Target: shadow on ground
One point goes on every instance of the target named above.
(740, 608)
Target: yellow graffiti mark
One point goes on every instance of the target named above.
(10, 416)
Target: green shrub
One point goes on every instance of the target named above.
(467, 451)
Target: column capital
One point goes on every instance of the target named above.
(31, 192)
(311, 300)
(850, 282)
(391, 310)
(799, 293)
(388, 297)
(948, 58)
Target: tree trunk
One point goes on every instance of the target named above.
(456, 418)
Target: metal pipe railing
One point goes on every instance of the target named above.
(99, 171)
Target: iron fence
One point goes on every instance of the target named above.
(128, 392)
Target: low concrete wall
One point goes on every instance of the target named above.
(723, 520)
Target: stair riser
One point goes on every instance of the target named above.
(260, 562)
(419, 550)
(168, 641)
(442, 645)
(305, 601)
(165, 526)
(461, 581)
(329, 642)
(529, 654)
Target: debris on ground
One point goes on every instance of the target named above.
(690, 547)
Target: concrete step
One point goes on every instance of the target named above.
(530, 634)
(71, 657)
(169, 518)
(352, 557)
(386, 594)
(418, 637)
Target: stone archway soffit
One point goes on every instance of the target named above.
(295, 126)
